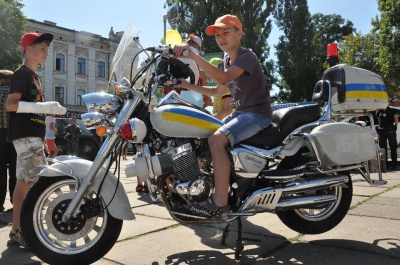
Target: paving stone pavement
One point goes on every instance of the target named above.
(369, 234)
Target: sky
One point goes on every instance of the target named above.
(98, 16)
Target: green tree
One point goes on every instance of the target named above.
(388, 28)
(12, 27)
(254, 15)
(301, 51)
(295, 51)
(361, 51)
(328, 29)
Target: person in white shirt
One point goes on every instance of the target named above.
(50, 136)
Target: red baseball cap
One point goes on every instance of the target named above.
(33, 37)
(224, 22)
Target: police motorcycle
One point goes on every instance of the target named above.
(299, 167)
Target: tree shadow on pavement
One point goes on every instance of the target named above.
(209, 257)
(14, 254)
(335, 251)
(254, 245)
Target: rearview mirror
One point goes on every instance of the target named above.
(173, 14)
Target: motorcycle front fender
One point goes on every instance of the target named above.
(77, 168)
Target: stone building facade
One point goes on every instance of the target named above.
(79, 63)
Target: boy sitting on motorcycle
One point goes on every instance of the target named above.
(243, 75)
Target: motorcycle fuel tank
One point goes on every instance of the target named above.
(174, 120)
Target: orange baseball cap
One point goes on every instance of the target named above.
(33, 37)
(224, 22)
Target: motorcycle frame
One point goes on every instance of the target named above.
(89, 180)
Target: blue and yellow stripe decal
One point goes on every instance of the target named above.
(192, 118)
(371, 91)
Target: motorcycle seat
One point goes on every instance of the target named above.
(284, 121)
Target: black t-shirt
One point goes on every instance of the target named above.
(73, 129)
(386, 117)
(22, 125)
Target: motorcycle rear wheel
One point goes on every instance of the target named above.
(83, 241)
(319, 220)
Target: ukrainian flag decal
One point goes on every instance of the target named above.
(367, 91)
(192, 118)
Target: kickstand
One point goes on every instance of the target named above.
(239, 240)
(225, 234)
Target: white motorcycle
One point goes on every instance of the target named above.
(299, 167)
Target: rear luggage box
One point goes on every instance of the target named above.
(355, 90)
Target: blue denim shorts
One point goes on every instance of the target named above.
(241, 125)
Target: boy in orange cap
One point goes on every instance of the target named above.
(243, 75)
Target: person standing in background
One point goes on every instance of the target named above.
(8, 156)
(388, 120)
(194, 42)
(27, 121)
(125, 150)
(222, 104)
(50, 136)
(73, 131)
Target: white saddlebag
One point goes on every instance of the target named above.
(343, 143)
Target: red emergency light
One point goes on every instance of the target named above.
(332, 54)
(332, 50)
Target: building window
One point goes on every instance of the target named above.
(60, 62)
(59, 94)
(81, 66)
(101, 69)
(79, 99)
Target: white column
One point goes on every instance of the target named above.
(92, 69)
(48, 86)
(71, 72)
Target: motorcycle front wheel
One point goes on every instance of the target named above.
(320, 219)
(81, 241)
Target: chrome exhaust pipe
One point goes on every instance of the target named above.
(268, 199)
(304, 202)
(315, 184)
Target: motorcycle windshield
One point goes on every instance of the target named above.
(125, 62)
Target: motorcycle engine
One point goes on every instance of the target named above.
(188, 181)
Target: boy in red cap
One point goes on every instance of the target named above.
(243, 75)
(27, 121)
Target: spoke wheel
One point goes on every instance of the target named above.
(320, 219)
(57, 242)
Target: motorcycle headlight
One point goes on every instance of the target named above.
(92, 119)
(102, 102)
(133, 130)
